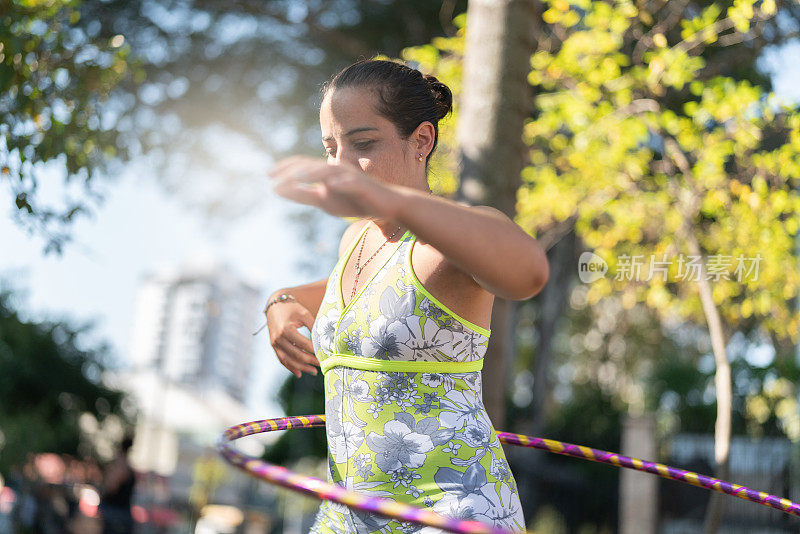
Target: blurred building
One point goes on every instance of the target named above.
(192, 325)
(188, 374)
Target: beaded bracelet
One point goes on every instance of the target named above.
(280, 298)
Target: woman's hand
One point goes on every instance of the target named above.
(341, 190)
(294, 350)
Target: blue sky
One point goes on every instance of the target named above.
(140, 226)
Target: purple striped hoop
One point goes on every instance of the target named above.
(323, 490)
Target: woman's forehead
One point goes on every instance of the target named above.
(345, 98)
(346, 113)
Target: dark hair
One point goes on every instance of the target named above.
(406, 97)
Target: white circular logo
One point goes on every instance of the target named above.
(591, 267)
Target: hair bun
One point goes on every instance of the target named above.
(442, 95)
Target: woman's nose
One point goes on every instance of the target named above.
(343, 157)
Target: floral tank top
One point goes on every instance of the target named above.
(404, 413)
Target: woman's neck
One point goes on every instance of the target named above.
(388, 228)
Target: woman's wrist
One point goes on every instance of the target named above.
(276, 297)
(280, 297)
(276, 294)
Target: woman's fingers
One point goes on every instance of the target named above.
(286, 361)
(291, 364)
(285, 355)
(296, 168)
(304, 344)
(321, 196)
(297, 357)
(302, 193)
(294, 350)
(302, 355)
(287, 163)
(302, 183)
(307, 319)
(332, 188)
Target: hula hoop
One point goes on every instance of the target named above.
(314, 487)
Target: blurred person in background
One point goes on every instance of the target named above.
(116, 492)
(7, 500)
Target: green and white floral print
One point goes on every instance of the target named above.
(422, 438)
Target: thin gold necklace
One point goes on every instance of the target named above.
(359, 269)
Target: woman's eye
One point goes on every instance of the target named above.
(359, 146)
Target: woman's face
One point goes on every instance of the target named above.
(353, 133)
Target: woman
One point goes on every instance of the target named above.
(399, 330)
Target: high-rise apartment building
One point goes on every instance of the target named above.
(192, 326)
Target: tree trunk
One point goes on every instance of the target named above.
(638, 492)
(552, 303)
(724, 390)
(495, 100)
(689, 206)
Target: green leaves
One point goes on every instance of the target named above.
(706, 19)
(648, 148)
(46, 386)
(54, 78)
(740, 13)
(599, 157)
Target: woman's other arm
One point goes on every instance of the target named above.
(294, 350)
(310, 295)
